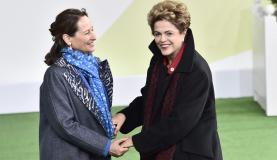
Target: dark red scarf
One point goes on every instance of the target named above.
(167, 107)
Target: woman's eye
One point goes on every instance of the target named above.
(169, 34)
(156, 34)
(88, 32)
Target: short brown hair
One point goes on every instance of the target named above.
(175, 12)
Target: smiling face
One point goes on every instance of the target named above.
(84, 38)
(168, 38)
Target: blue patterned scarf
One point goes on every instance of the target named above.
(88, 67)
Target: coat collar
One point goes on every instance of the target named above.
(186, 62)
(104, 74)
(80, 88)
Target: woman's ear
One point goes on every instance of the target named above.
(184, 33)
(67, 39)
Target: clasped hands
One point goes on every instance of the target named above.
(120, 146)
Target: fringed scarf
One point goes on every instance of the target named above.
(167, 107)
(88, 67)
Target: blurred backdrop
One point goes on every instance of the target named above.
(222, 31)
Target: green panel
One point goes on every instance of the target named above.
(221, 29)
(264, 2)
(125, 43)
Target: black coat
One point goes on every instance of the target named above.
(191, 125)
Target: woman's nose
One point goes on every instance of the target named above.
(163, 38)
(93, 36)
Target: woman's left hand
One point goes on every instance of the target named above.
(118, 121)
(128, 143)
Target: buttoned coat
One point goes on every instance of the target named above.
(191, 125)
(70, 125)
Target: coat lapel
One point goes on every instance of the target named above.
(79, 87)
(106, 77)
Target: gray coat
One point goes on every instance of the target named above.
(70, 125)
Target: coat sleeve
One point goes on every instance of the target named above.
(188, 108)
(56, 106)
(134, 114)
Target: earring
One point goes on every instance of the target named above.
(69, 44)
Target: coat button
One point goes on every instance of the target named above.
(171, 69)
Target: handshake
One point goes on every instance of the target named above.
(120, 146)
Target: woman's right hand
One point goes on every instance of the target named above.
(118, 121)
(116, 149)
